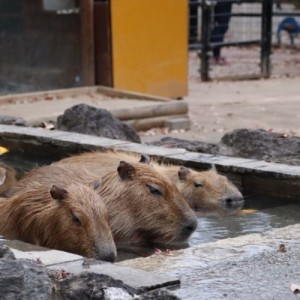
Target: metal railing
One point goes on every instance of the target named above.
(203, 15)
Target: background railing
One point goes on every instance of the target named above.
(247, 39)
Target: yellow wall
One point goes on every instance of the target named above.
(149, 46)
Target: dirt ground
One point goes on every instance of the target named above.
(218, 107)
(215, 107)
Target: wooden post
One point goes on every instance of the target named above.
(87, 42)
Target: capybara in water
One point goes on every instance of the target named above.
(7, 179)
(207, 192)
(143, 206)
(72, 219)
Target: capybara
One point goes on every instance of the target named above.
(7, 179)
(143, 206)
(207, 192)
(71, 218)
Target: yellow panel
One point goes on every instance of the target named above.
(149, 46)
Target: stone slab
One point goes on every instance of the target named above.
(59, 260)
(178, 123)
(136, 278)
(256, 266)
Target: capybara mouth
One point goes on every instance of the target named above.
(109, 257)
(186, 230)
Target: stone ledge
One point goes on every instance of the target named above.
(59, 144)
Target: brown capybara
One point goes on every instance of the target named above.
(72, 219)
(7, 179)
(143, 206)
(207, 192)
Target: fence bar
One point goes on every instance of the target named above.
(266, 38)
(205, 38)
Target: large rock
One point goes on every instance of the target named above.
(28, 279)
(86, 119)
(11, 120)
(261, 144)
(246, 143)
(22, 279)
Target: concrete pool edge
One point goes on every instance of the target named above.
(269, 178)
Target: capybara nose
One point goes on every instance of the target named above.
(110, 257)
(233, 202)
(189, 228)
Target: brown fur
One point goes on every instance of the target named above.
(34, 216)
(209, 198)
(136, 215)
(7, 179)
(207, 192)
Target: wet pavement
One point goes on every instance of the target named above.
(256, 266)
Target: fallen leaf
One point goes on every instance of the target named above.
(295, 288)
(61, 274)
(282, 248)
(38, 260)
(3, 150)
(49, 97)
(46, 125)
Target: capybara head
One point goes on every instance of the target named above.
(7, 179)
(72, 219)
(209, 192)
(146, 207)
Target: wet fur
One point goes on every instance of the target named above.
(33, 216)
(136, 216)
(7, 178)
(207, 199)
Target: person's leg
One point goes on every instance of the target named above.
(222, 16)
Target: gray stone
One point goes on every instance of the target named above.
(88, 285)
(23, 279)
(11, 120)
(261, 144)
(246, 143)
(162, 294)
(178, 123)
(140, 280)
(193, 146)
(86, 119)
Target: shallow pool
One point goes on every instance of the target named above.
(211, 229)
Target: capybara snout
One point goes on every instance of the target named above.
(188, 228)
(233, 202)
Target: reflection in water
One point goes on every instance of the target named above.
(211, 229)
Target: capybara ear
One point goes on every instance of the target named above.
(126, 170)
(145, 159)
(58, 193)
(182, 173)
(2, 175)
(97, 185)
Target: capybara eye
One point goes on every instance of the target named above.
(154, 190)
(76, 219)
(197, 184)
